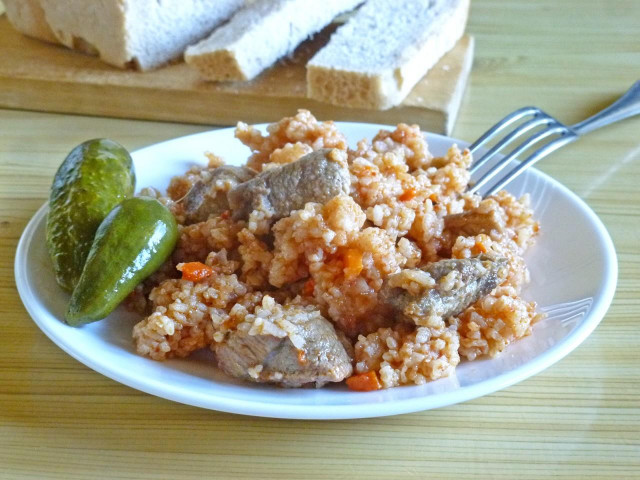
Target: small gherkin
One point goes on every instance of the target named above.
(131, 243)
(95, 177)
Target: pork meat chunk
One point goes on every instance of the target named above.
(209, 197)
(441, 289)
(316, 177)
(302, 348)
(474, 223)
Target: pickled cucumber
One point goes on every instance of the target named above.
(130, 244)
(95, 177)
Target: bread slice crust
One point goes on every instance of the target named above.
(125, 33)
(260, 34)
(355, 72)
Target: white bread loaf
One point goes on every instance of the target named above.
(377, 57)
(140, 33)
(259, 34)
(27, 17)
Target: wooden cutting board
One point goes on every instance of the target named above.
(36, 75)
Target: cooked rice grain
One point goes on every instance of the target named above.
(183, 311)
(303, 128)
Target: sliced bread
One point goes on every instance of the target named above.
(27, 17)
(124, 33)
(259, 34)
(377, 57)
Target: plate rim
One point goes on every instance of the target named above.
(603, 300)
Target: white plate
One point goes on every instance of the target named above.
(573, 259)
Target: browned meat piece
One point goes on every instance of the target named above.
(267, 358)
(316, 177)
(449, 288)
(210, 198)
(474, 223)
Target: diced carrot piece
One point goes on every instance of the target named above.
(302, 357)
(231, 323)
(364, 382)
(352, 262)
(479, 248)
(195, 271)
(226, 214)
(308, 287)
(407, 195)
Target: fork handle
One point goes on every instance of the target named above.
(626, 106)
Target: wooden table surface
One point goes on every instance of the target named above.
(578, 419)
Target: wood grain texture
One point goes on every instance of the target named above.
(30, 69)
(578, 419)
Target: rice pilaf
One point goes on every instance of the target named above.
(404, 209)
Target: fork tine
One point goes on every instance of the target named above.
(502, 124)
(567, 137)
(566, 312)
(565, 307)
(518, 132)
(556, 128)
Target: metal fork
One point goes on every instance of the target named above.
(553, 136)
